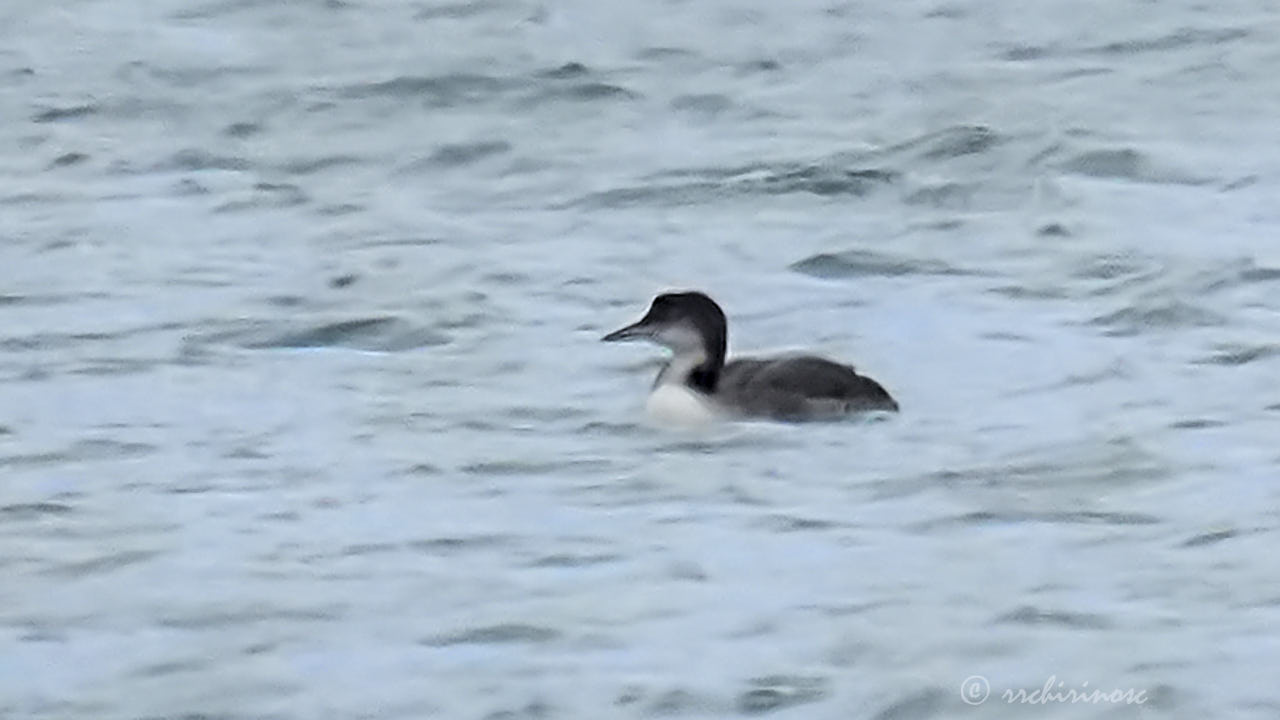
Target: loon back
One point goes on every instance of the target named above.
(802, 387)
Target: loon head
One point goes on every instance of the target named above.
(693, 327)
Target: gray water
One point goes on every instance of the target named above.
(303, 412)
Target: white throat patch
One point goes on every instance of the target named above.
(676, 404)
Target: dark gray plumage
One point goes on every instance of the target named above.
(802, 387)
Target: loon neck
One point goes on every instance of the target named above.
(698, 370)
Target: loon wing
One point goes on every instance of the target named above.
(800, 387)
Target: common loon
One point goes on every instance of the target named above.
(697, 385)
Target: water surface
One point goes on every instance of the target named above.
(303, 411)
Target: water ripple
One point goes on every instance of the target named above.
(387, 334)
(1004, 517)
(867, 263)
(1030, 615)
(819, 179)
(775, 692)
(495, 634)
(446, 90)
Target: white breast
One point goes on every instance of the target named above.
(673, 404)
